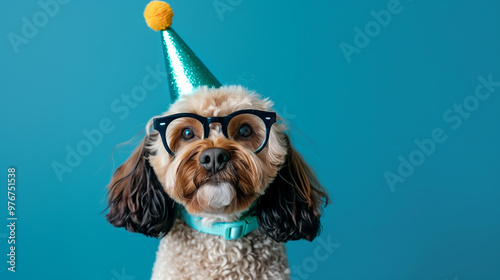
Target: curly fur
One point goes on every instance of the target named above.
(145, 190)
(189, 254)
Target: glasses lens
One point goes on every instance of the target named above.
(248, 130)
(181, 131)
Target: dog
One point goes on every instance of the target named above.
(218, 154)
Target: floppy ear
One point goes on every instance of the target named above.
(136, 199)
(291, 207)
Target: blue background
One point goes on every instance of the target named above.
(351, 121)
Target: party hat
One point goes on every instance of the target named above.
(185, 70)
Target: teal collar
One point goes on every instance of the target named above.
(230, 231)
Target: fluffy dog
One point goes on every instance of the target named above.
(218, 172)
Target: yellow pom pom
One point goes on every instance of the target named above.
(158, 15)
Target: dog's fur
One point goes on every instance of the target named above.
(144, 191)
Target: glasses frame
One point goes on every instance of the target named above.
(160, 124)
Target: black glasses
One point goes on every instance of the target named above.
(250, 128)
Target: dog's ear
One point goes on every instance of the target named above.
(292, 205)
(136, 199)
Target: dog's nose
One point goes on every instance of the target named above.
(214, 159)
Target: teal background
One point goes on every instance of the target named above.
(351, 121)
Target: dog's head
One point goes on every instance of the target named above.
(217, 152)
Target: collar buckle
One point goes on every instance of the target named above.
(239, 229)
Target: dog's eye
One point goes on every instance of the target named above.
(245, 131)
(187, 133)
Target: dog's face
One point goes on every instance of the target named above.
(214, 174)
(218, 169)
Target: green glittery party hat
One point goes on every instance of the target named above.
(185, 70)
